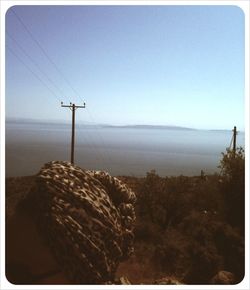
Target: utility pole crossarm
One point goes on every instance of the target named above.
(73, 108)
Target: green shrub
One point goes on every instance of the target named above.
(232, 186)
(165, 201)
(193, 227)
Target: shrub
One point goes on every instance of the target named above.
(193, 226)
(215, 246)
(233, 186)
(171, 256)
(165, 201)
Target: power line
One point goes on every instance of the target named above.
(50, 60)
(87, 134)
(35, 63)
(231, 142)
(31, 71)
(55, 95)
(44, 52)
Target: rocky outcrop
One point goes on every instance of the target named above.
(87, 218)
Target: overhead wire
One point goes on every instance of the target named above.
(35, 63)
(101, 140)
(31, 71)
(43, 50)
(94, 124)
(231, 142)
(63, 77)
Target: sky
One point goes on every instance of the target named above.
(157, 65)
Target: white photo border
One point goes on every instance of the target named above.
(4, 6)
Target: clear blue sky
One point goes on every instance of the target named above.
(164, 65)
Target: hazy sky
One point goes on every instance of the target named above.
(168, 65)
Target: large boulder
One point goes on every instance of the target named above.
(87, 219)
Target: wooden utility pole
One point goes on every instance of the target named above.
(234, 140)
(73, 108)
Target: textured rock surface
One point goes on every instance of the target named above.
(168, 281)
(87, 218)
(223, 277)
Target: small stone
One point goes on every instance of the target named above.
(223, 277)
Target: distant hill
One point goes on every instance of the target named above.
(150, 127)
(92, 124)
(80, 123)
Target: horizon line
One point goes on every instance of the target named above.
(67, 122)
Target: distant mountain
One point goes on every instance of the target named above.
(149, 127)
(92, 124)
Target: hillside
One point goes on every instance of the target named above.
(182, 230)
